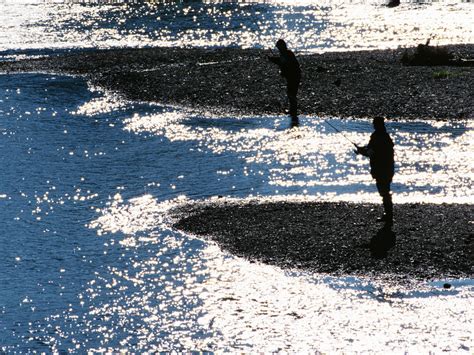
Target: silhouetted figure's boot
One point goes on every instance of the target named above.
(295, 122)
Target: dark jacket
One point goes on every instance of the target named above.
(380, 149)
(380, 152)
(289, 66)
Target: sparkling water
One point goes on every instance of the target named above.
(91, 262)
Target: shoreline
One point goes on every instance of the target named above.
(426, 242)
(351, 84)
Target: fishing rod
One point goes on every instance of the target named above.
(339, 131)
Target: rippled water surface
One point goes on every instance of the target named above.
(90, 260)
(306, 25)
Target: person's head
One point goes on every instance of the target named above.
(379, 124)
(281, 45)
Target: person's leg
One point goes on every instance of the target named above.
(292, 92)
(388, 206)
(383, 187)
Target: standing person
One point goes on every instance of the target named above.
(290, 69)
(380, 152)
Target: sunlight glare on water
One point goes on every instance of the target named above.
(433, 159)
(307, 25)
(244, 306)
(238, 305)
(88, 186)
(91, 262)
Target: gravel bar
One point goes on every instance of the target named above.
(427, 241)
(360, 84)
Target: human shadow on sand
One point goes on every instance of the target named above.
(382, 242)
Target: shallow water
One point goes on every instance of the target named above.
(90, 261)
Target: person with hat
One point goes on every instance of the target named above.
(381, 155)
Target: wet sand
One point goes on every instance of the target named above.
(429, 241)
(242, 81)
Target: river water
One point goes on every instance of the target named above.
(90, 262)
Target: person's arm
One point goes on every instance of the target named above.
(366, 151)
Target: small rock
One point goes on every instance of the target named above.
(447, 285)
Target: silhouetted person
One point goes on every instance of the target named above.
(290, 69)
(380, 152)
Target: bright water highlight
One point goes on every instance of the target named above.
(307, 26)
(90, 261)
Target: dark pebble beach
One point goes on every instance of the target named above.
(426, 241)
(242, 81)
